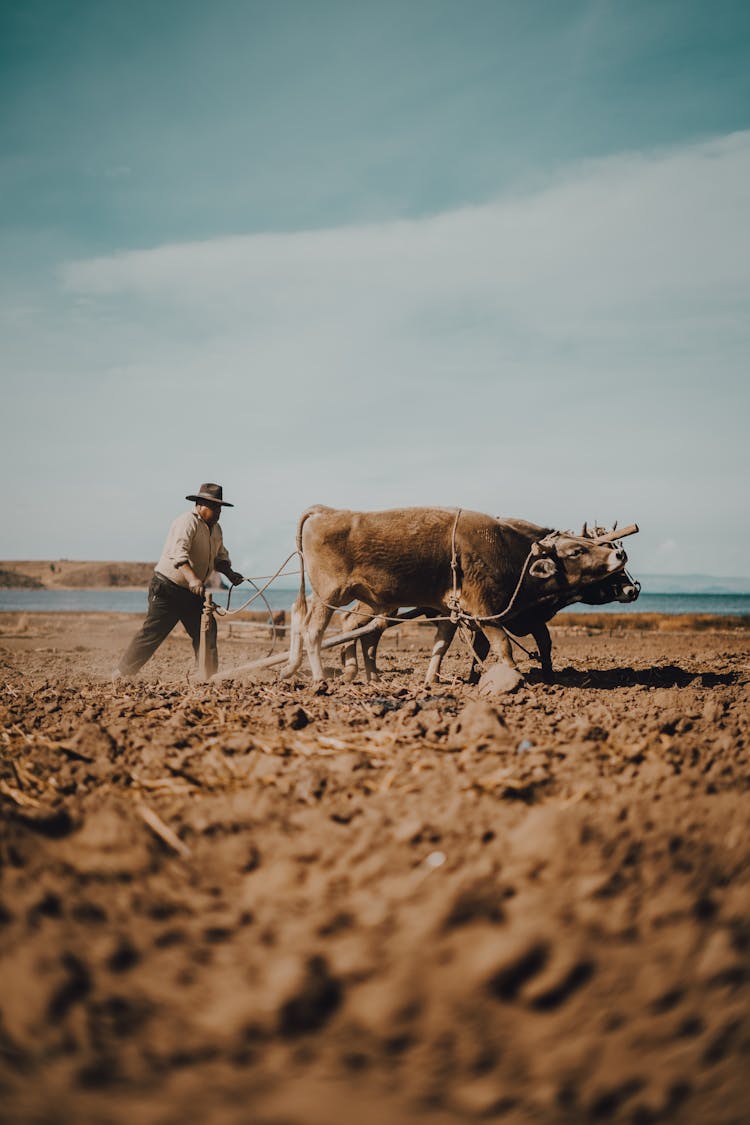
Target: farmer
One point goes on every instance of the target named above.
(193, 550)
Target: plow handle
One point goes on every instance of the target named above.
(208, 656)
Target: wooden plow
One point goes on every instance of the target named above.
(282, 657)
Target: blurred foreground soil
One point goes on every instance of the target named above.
(381, 904)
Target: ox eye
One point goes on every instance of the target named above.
(575, 552)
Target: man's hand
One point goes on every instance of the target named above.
(195, 584)
(233, 576)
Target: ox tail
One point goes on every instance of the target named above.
(299, 609)
(301, 602)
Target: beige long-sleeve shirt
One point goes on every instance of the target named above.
(191, 540)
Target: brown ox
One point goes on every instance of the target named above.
(442, 559)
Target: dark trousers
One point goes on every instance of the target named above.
(167, 604)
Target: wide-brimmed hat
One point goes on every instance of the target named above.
(211, 492)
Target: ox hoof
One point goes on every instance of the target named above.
(499, 679)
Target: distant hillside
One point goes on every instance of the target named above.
(66, 574)
(12, 580)
(70, 574)
(692, 584)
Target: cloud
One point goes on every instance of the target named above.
(118, 171)
(610, 239)
(564, 352)
(667, 551)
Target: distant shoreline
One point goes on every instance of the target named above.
(652, 611)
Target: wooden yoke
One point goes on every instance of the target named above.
(208, 654)
(618, 533)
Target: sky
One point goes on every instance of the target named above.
(491, 253)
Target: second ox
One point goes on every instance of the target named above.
(620, 588)
(462, 562)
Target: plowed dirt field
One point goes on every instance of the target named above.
(380, 903)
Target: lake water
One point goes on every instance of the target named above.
(122, 601)
(134, 601)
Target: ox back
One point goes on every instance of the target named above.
(403, 556)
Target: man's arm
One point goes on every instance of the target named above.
(195, 584)
(178, 547)
(224, 566)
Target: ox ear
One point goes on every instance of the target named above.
(542, 568)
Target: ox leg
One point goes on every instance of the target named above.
(315, 626)
(481, 647)
(370, 651)
(502, 675)
(351, 620)
(444, 634)
(349, 662)
(543, 640)
(295, 641)
(354, 619)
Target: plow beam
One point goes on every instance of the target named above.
(282, 657)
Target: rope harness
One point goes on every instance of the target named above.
(454, 597)
(225, 611)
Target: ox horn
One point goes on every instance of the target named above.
(585, 530)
